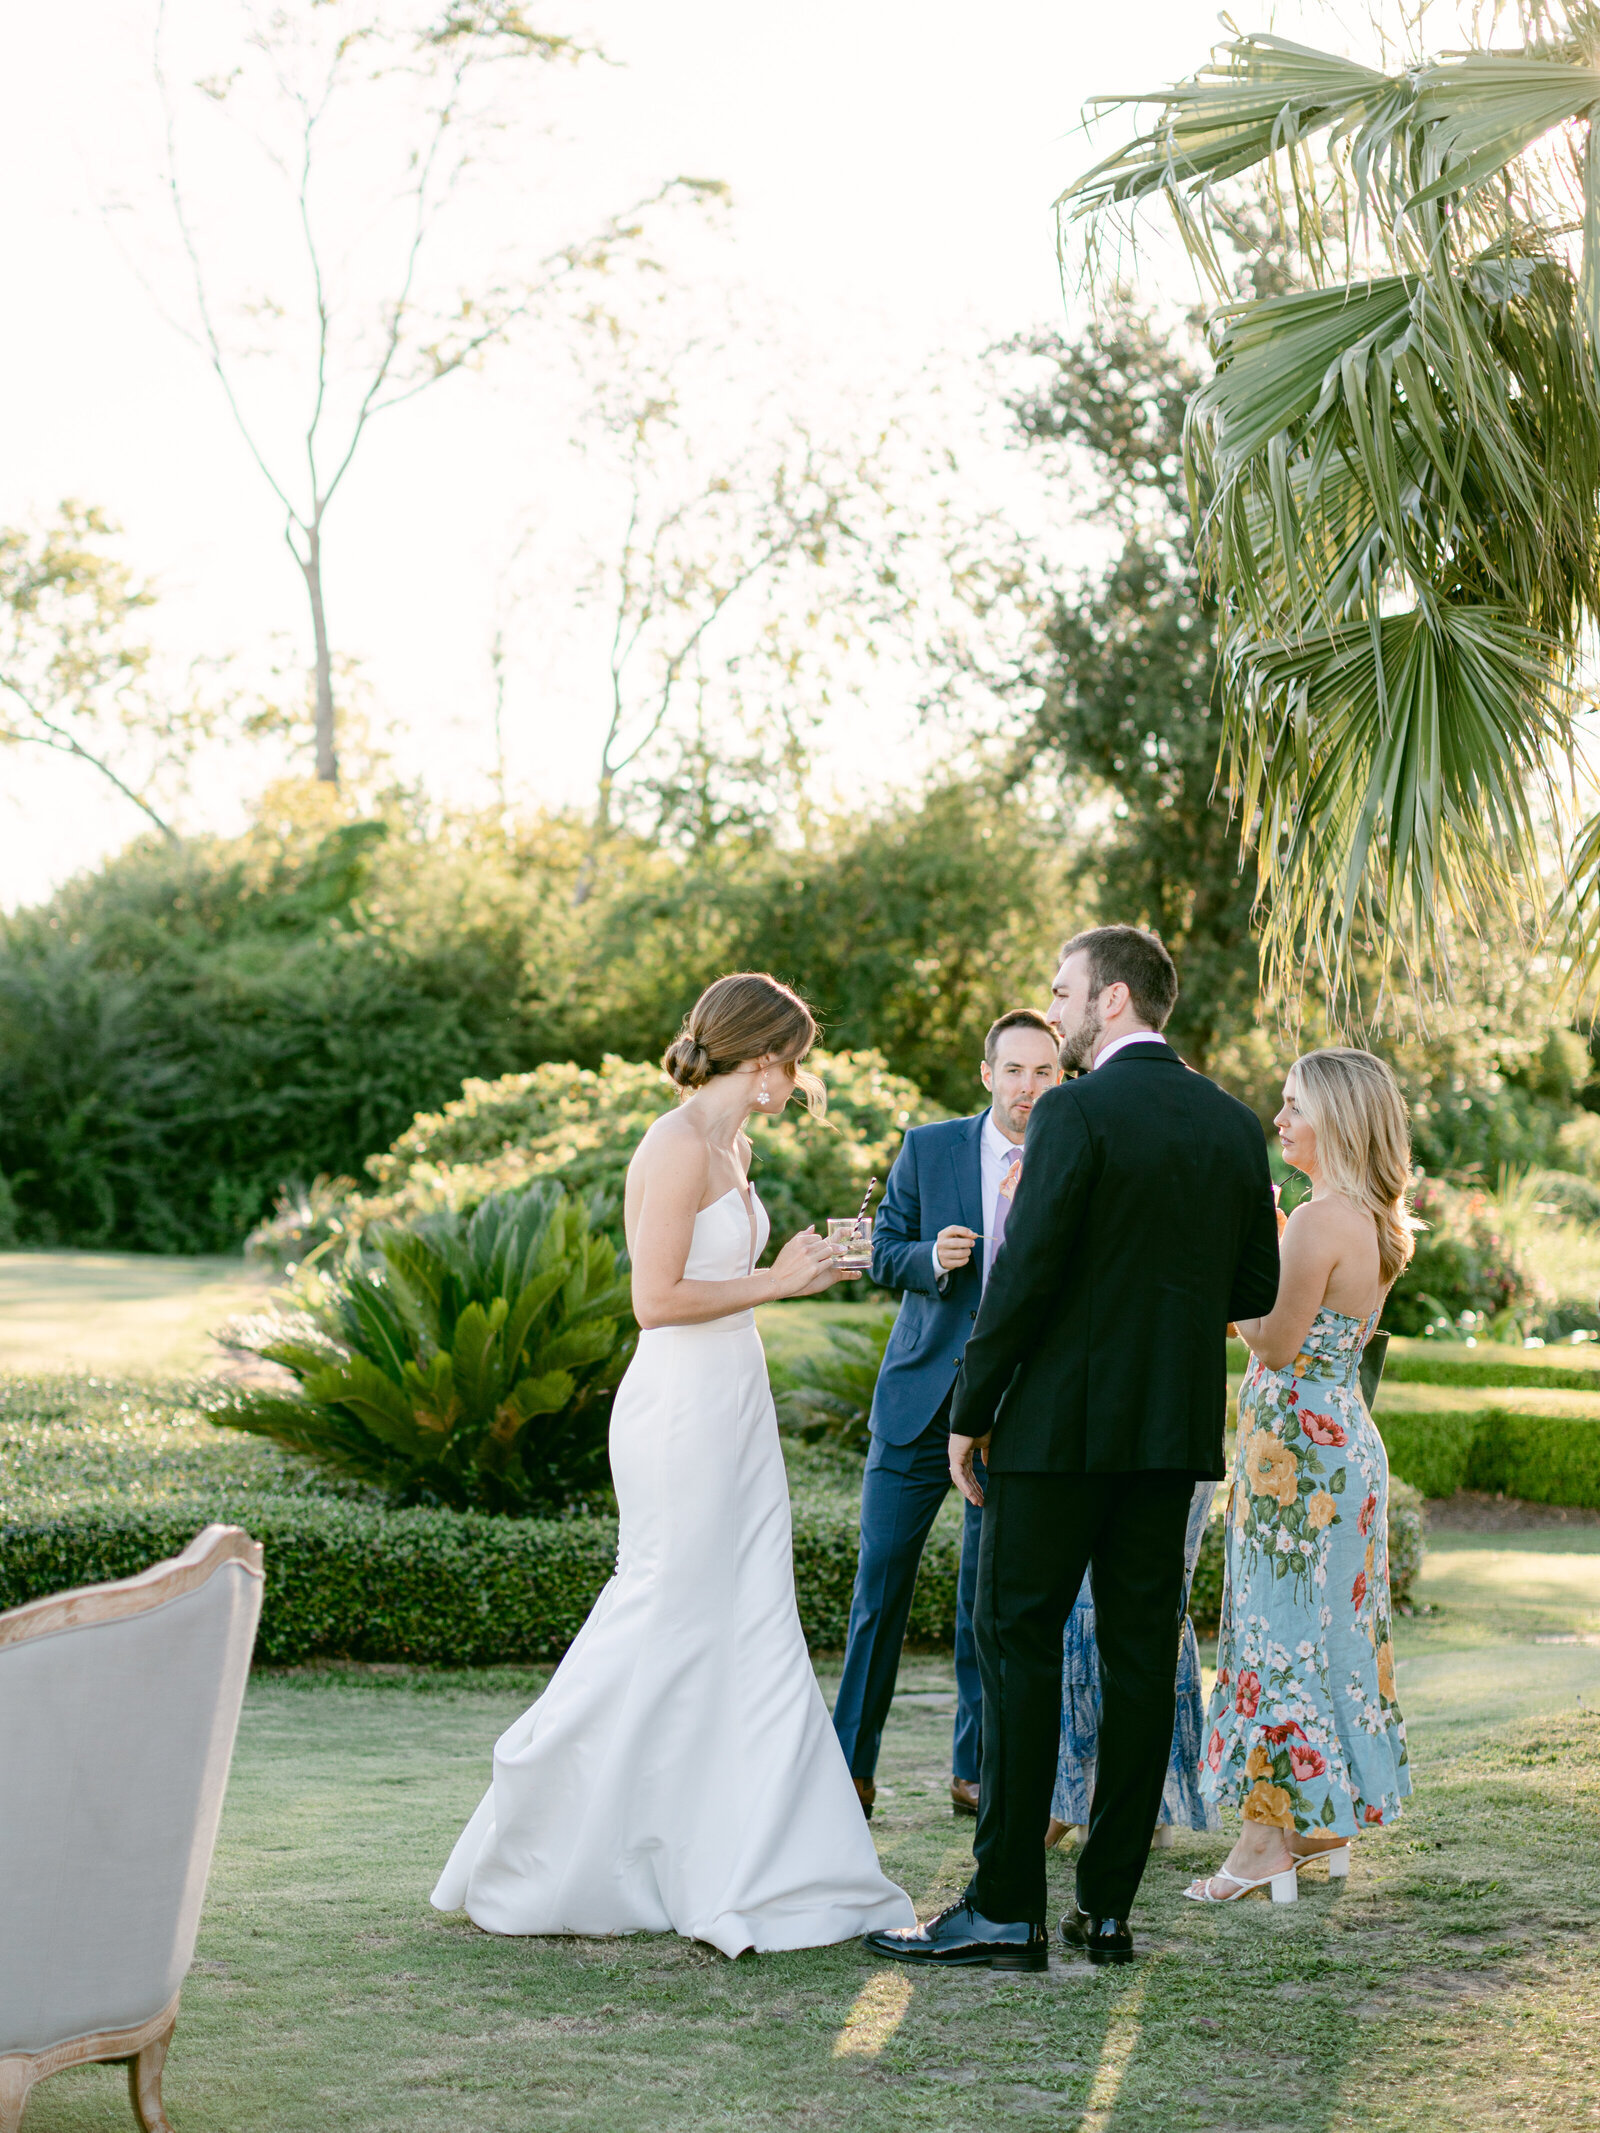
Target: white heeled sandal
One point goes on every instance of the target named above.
(1337, 1856)
(1285, 1887)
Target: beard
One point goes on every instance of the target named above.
(1077, 1045)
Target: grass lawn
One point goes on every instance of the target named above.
(125, 1313)
(1452, 1983)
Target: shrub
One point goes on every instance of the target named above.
(1541, 1458)
(462, 1361)
(1464, 1261)
(830, 1395)
(189, 1025)
(430, 1586)
(581, 1126)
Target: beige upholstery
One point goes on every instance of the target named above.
(118, 1709)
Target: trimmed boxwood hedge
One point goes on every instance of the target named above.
(465, 1589)
(1540, 1458)
(452, 1588)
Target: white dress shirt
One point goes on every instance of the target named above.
(1134, 1036)
(995, 1153)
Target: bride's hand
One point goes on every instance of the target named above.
(807, 1265)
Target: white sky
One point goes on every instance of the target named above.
(892, 164)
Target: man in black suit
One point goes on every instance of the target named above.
(1094, 1386)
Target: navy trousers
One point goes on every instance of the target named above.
(901, 1492)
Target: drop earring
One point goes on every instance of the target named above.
(762, 1098)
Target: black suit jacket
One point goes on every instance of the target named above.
(1143, 1223)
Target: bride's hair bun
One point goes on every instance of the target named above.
(688, 1062)
(745, 1017)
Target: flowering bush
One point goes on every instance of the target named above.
(580, 1127)
(1464, 1261)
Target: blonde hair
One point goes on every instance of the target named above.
(747, 1015)
(1353, 1104)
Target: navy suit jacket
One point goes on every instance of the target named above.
(937, 1179)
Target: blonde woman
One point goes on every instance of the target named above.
(1304, 1733)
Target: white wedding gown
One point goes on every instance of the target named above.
(680, 1773)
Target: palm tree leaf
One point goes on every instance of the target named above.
(1485, 109)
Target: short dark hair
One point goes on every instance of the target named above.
(1015, 1018)
(1127, 955)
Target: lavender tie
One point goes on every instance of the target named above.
(1002, 1205)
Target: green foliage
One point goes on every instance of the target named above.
(830, 1394)
(1540, 1458)
(1531, 1370)
(449, 1588)
(1464, 1261)
(465, 1361)
(580, 1126)
(100, 1479)
(189, 1026)
(1122, 690)
(1398, 471)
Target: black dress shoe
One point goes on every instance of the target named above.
(1103, 1940)
(963, 1935)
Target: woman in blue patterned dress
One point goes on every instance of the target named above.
(1305, 1736)
(1182, 1806)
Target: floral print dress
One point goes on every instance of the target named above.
(1304, 1730)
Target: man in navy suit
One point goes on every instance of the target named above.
(934, 1239)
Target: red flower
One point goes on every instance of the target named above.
(1305, 1761)
(1358, 1590)
(1214, 1749)
(1294, 1397)
(1365, 1520)
(1279, 1734)
(1249, 1693)
(1374, 1814)
(1321, 1429)
(1223, 1678)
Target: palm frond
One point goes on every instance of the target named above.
(1395, 474)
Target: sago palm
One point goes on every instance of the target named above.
(467, 1361)
(1395, 469)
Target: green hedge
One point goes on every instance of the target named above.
(451, 1588)
(1540, 1458)
(1413, 1362)
(465, 1589)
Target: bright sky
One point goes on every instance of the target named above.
(892, 164)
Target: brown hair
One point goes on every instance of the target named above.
(1354, 1106)
(1127, 955)
(747, 1015)
(1014, 1018)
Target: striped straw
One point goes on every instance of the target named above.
(861, 1211)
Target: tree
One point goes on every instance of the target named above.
(1122, 687)
(74, 663)
(330, 80)
(742, 553)
(1396, 471)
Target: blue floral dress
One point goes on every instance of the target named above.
(1305, 1731)
(1181, 1802)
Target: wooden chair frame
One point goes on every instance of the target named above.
(143, 2048)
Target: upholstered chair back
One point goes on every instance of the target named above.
(118, 1709)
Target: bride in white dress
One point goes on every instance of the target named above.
(680, 1773)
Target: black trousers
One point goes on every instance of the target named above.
(1040, 1532)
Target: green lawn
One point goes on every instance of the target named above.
(124, 1313)
(1453, 1984)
